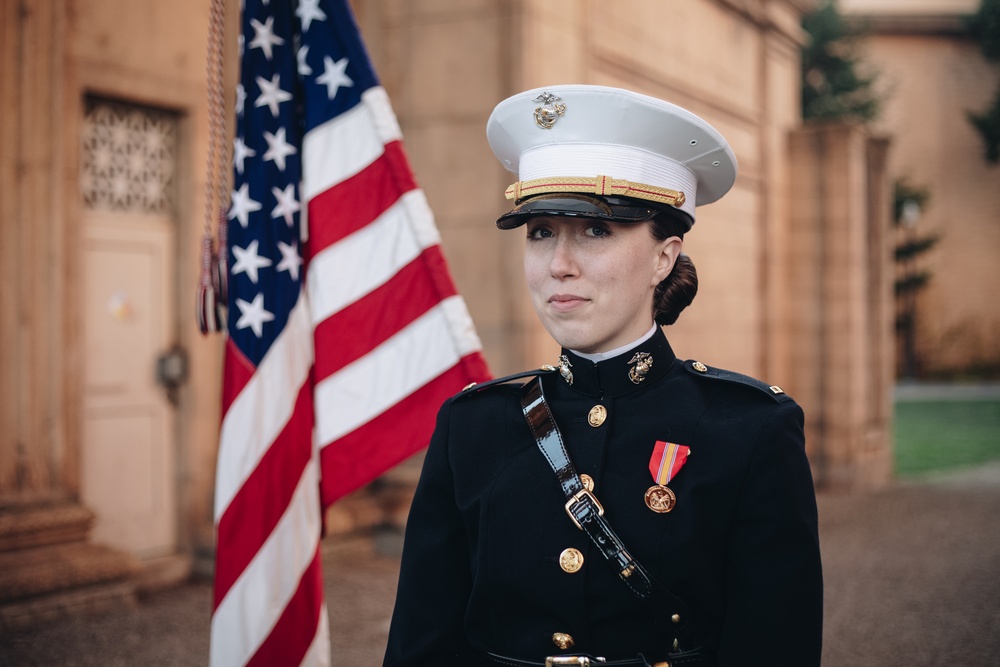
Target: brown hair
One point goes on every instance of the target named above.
(677, 290)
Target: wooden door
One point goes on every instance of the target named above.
(128, 459)
(128, 450)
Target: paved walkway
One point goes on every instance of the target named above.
(912, 579)
(921, 391)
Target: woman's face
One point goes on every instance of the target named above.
(592, 281)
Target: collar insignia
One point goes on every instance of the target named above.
(642, 361)
(564, 369)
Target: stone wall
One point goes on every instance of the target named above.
(932, 74)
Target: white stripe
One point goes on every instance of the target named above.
(262, 409)
(363, 261)
(366, 388)
(318, 654)
(346, 144)
(257, 599)
(380, 108)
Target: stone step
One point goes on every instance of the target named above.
(38, 524)
(48, 582)
(60, 604)
(157, 574)
(40, 571)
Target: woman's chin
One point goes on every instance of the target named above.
(577, 339)
(565, 340)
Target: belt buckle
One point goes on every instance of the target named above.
(577, 497)
(578, 660)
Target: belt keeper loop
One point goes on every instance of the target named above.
(578, 660)
(601, 185)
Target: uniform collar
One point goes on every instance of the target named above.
(617, 375)
(601, 356)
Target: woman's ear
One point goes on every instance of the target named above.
(669, 250)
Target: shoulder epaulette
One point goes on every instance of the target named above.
(701, 370)
(477, 387)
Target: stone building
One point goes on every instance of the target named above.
(106, 475)
(932, 73)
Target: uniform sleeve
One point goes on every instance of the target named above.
(774, 581)
(435, 579)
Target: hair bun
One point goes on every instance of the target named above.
(675, 292)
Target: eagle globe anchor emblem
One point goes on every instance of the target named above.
(551, 110)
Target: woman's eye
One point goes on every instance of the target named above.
(539, 233)
(598, 230)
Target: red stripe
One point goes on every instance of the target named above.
(355, 202)
(359, 328)
(653, 193)
(238, 372)
(656, 460)
(400, 431)
(264, 496)
(294, 632)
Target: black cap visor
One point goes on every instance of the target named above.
(615, 209)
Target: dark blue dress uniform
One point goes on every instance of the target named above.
(481, 562)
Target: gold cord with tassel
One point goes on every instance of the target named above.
(213, 284)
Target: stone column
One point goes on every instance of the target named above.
(33, 452)
(47, 567)
(840, 302)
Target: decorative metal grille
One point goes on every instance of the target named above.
(129, 157)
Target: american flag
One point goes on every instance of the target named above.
(321, 394)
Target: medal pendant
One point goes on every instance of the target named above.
(667, 460)
(660, 499)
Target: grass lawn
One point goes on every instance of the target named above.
(938, 435)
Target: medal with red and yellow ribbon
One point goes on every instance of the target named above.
(667, 460)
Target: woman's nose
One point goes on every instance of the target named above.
(563, 263)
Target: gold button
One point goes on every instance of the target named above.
(676, 618)
(571, 560)
(587, 481)
(469, 386)
(597, 415)
(563, 641)
(776, 389)
(700, 367)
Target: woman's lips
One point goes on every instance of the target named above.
(565, 302)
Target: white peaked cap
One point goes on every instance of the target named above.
(585, 132)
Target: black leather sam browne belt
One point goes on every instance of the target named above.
(586, 512)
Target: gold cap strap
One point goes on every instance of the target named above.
(599, 185)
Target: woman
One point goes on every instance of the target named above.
(622, 504)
